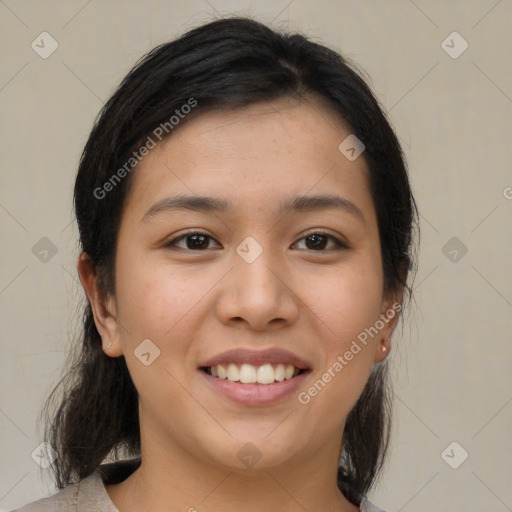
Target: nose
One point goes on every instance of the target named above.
(258, 293)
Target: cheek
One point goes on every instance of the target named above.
(154, 302)
(345, 303)
(153, 297)
(347, 299)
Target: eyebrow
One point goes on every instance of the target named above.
(300, 203)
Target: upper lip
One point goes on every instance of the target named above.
(257, 358)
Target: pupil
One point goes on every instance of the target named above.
(318, 241)
(203, 243)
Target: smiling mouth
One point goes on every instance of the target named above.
(253, 374)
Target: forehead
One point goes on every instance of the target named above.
(254, 155)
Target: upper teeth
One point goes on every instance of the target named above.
(247, 373)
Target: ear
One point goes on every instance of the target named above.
(103, 308)
(390, 312)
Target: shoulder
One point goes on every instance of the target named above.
(64, 500)
(88, 495)
(368, 506)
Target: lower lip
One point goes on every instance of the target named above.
(255, 394)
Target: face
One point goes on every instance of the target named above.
(264, 286)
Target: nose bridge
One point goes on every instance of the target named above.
(256, 265)
(256, 290)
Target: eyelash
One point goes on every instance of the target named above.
(338, 243)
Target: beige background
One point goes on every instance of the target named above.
(453, 361)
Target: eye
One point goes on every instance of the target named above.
(195, 241)
(198, 241)
(318, 241)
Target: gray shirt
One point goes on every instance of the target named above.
(90, 495)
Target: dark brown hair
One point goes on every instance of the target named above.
(224, 64)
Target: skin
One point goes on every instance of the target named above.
(196, 303)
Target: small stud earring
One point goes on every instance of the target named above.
(384, 349)
(109, 344)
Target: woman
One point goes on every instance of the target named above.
(246, 223)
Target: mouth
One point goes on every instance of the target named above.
(247, 373)
(252, 378)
